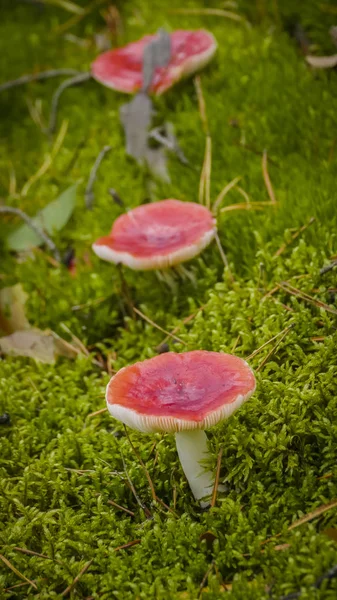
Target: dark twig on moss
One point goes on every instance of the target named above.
(77, 79)
(204, 579)
(128, 545)
(16, 571)
(116, 198)
(294, 236)
(171, 335)
(147, 474)
(89, 194)
(48, 241)
(32, 553)
(331, 574)
(132, 487)
(217, 477)
(303, 296)
(266, 344)
(72, 585)
(113, 503)
(328, 268)
(37, 77)
(274, 348)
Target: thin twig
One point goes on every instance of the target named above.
(267, 178)
(166, 506)
(303, 296)
(217, 477)
(223, 256)
(171, 335)
(216, 12)
(48, 160)
(75, 340)
(77, 578)
(132, 487)
(147, 474)
(328, 268)
(15, 570)
(79, 78)
(77, 18)
(204, 579)
(294, 236)
(97, 412)
(247, 206)
(266, 344)
(273, 350)
(37, 77)
(128, 545)
(47, 240)
(178, 327)
(223, 193)
(121, 507)
(89, 194)
(305, 519)
(236, 341)
(201, 104)
(205, 177)
(244, 194)
(32, 553)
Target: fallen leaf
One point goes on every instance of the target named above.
(156, 54)
(322, 62)
(136, 118)
(12, 311)
(156, 160)
(52, 218)
(34, 343)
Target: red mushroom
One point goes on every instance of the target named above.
(182, 394)
(158, 235)
(122, 69)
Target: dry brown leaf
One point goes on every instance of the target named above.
(34, 343)
(12, 309)
(322, 62)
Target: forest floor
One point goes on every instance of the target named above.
(272, 122)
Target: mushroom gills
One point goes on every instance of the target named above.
(192, 449)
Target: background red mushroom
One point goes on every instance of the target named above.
(158, 235)
(122, 69)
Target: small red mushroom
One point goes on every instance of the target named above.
(158, 235)
(122, 69)
(182, 394)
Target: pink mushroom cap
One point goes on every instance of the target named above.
(158, 235)
(175, 392)
(121, 69)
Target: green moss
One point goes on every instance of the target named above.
(279, 445)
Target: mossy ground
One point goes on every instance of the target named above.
(279, 445)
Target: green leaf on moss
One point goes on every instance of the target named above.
(51, 218)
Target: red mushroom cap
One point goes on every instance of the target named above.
(174, 392)
(121, 69)
(158, 235)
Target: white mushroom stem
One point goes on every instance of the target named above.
(192, 448)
